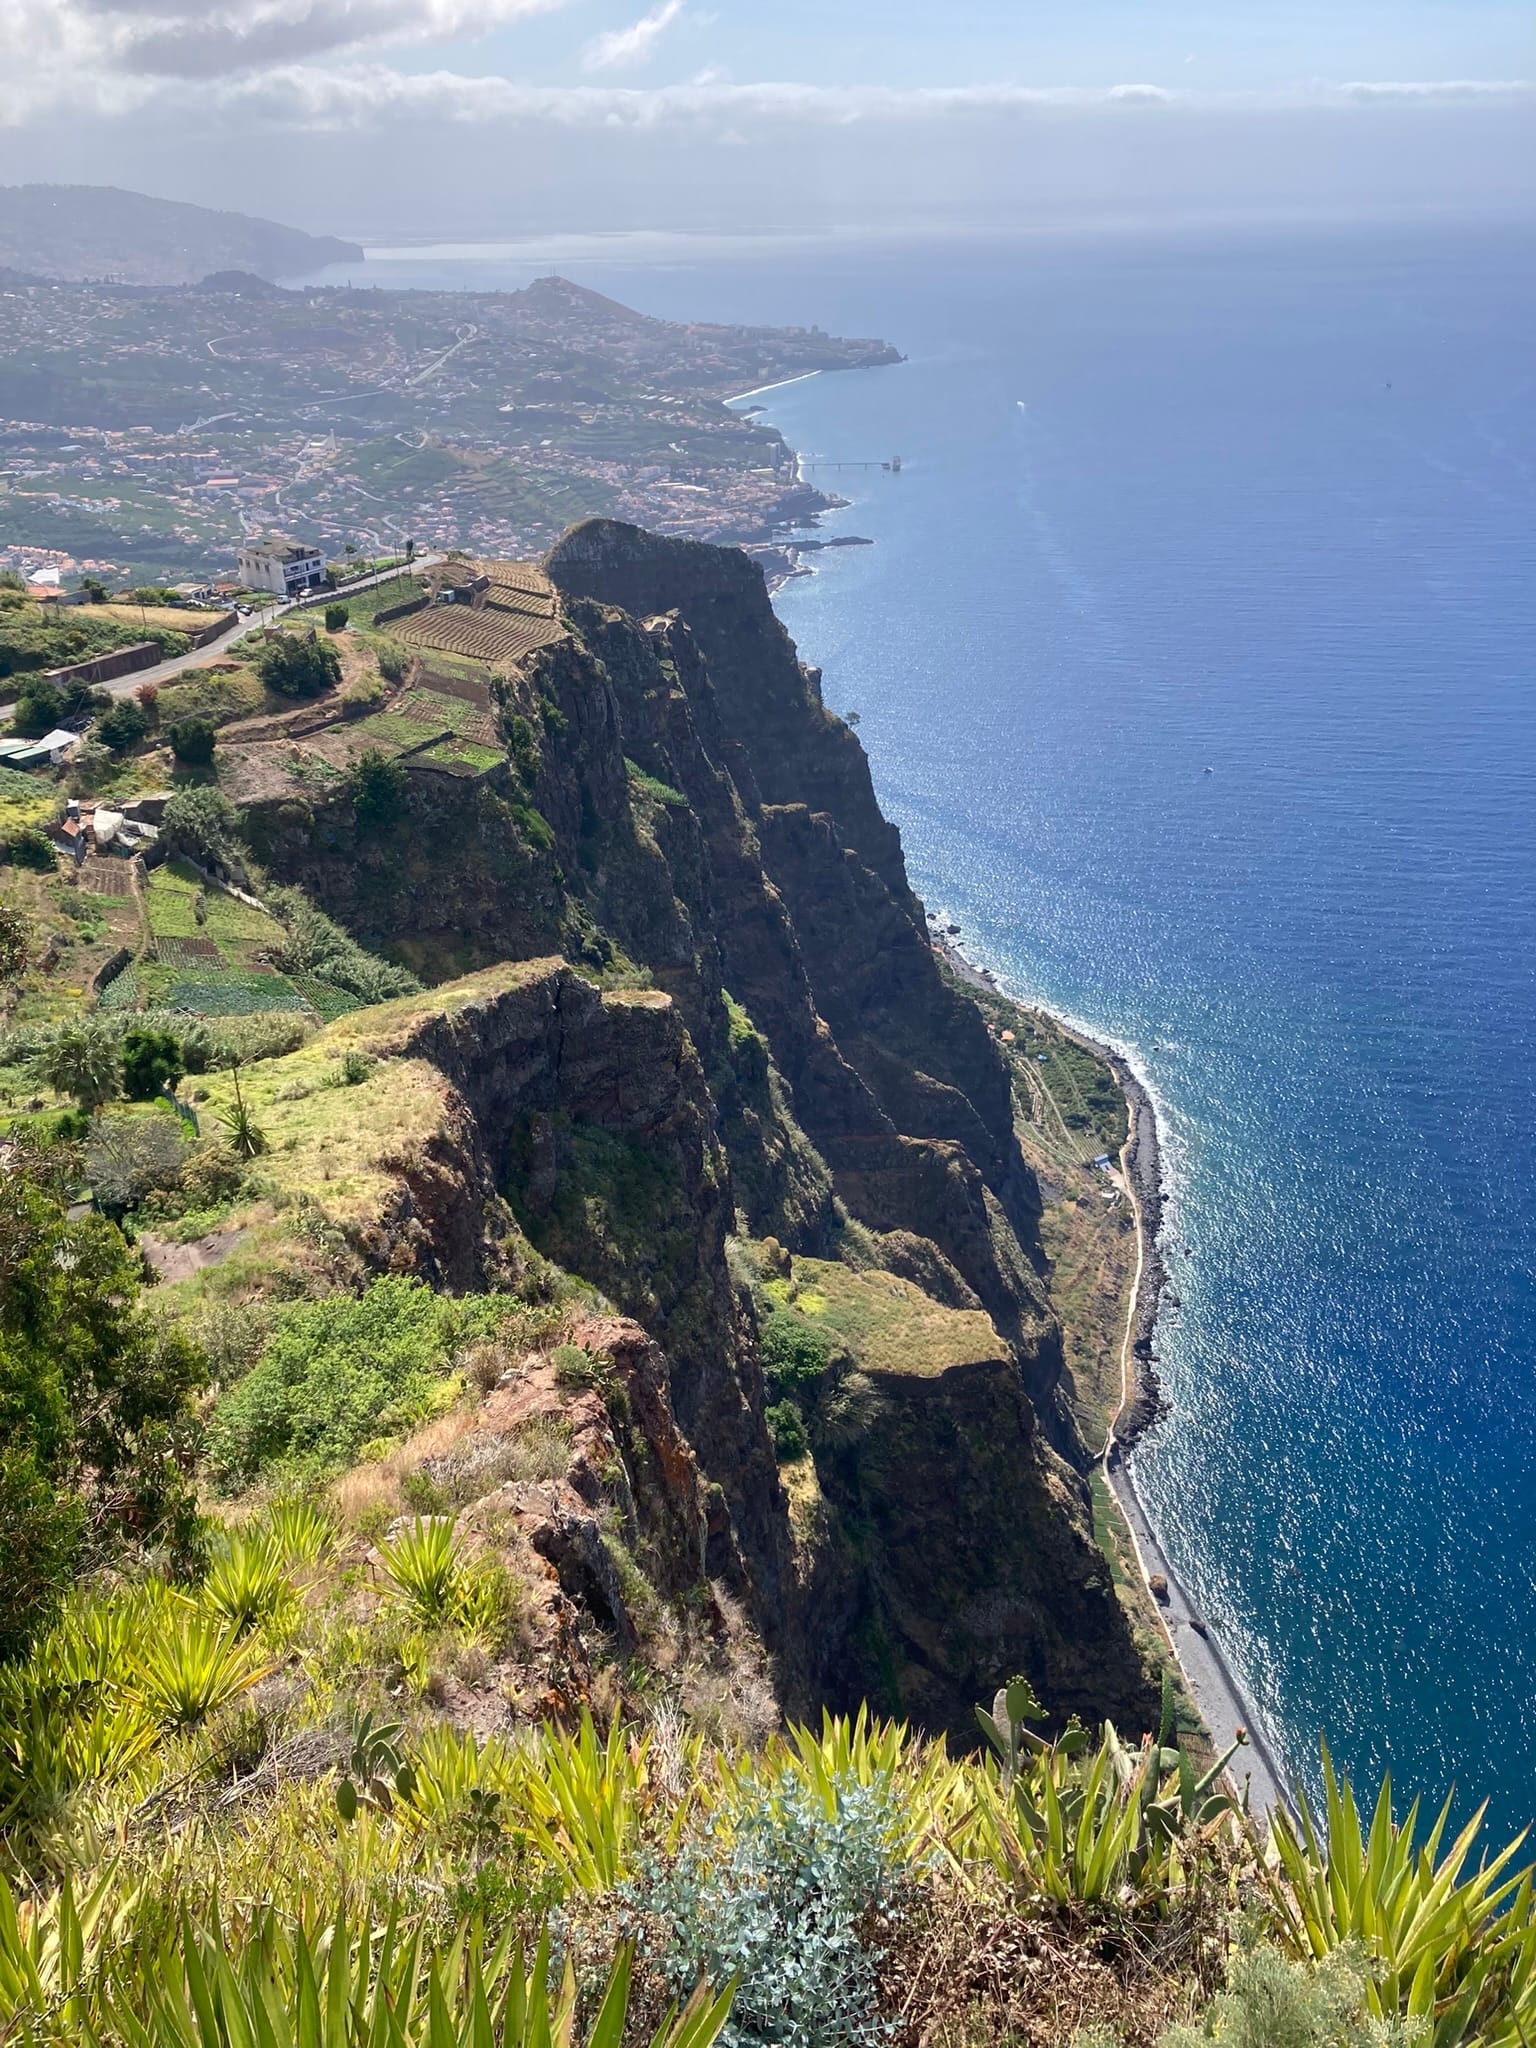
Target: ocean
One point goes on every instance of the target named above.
(1195, 658)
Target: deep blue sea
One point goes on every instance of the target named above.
(1196, 659)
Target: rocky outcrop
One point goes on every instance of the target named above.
(974, 1556)
(723, 1018)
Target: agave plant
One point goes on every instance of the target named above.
(48, 1946)
(1072, 1821)
(425, 1565)
(303, 1532)
(247, 1582)
(1452, 1946)
(189, 1670)
(584, 1802)
(341, 1988)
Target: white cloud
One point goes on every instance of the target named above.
(1435, 89)
(99, 40)
(112, 57)
(621, 47)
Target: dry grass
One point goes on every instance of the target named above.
(971, 1972)
(155, 618)
(359, 1494)
(888, 1324)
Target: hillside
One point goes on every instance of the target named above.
(525, 1274)
(97, 231)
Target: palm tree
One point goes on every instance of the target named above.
(81, 1060)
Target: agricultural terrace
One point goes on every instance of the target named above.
(491, 635)
(208, 954)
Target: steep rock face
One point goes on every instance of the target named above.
(973, 1556)
(678, 809)
(780, 744)
(596, 1119)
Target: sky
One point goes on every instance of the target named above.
(402, 120)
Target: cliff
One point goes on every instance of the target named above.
(690, 1042)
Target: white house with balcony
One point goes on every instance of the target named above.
(288, 568)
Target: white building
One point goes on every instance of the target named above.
(286, 567)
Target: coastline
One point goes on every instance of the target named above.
(1255, 1770)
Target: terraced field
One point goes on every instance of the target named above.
(517, 576)
(493, 636)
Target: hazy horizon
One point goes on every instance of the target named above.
(472, 119)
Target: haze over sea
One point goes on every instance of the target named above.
(1263, 506)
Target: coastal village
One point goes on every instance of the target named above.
(148, 434)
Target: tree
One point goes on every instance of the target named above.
(15, 943)
(378, 788)
(122, 727)
(39, 707)
(203, 823)
(94, 589)
(152, 1064)
(81, 1060)
(294, 666)
(192, 741)
(336, 616)
(95, 1398)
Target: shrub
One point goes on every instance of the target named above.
(394, 661)
(295, 665)
(129, 1157)
(315, 945)
(39, 707)
(40, 1532)
(378, 788)
(794, 1353)
(212, 1174)
(29, 848)
(152, 1063)
(122, 727)
(355, 1067)
(787, 1428)
(192, 741)
(205, 825)
(336, 616)
(781, 1896)
(339, 1372)
(363, 692)
(1272, 2003)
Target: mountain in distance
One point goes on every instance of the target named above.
(70, 232)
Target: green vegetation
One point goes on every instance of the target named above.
(94, 1400)
(152, 1063)
(336, 616)
(192, 741)
(298, 665)
(377, 790)
(658, 792)
(34, 637)
(337, 1374)
(885, 1324)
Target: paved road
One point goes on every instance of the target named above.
(217, 650)
(1206, 1671)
